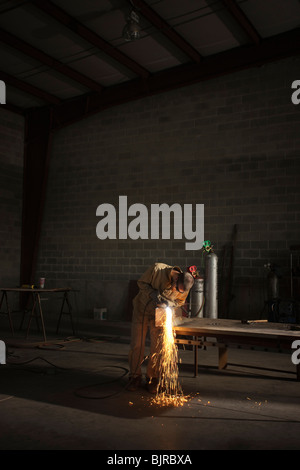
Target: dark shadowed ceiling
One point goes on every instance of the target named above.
(72, 54)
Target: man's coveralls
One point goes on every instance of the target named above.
(155, 286)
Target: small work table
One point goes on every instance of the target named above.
(234, 333)
(36, 307)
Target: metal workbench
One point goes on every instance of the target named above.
(221, 333)
(35, 309)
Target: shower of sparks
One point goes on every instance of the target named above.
(169, 392)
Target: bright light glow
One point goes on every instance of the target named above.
(169, 391)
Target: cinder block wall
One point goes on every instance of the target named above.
(11, 187)
(231, 143)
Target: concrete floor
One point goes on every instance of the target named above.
(70, 394)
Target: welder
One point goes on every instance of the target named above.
(160, 286)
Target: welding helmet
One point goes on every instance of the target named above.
(185, 282)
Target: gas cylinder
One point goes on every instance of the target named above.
(197, 298)
(211, 286)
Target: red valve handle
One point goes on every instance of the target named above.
(192, 269)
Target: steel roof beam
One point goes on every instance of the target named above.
(30, 89)
(78, 28)
(242, 20)
(271, 49)
(145, 10)
(12, 41)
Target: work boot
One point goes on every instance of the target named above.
(134, 383)
(152, 385)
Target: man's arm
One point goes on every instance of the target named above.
(145, 283)
(153, 281)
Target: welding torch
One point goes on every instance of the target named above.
(162, 313)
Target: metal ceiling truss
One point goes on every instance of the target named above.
(145, 10)
(254, 52)
(28, 88)
(242, 20)
(22, 46)
(274, 48)
(71, 23)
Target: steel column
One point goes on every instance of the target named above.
(35, 175)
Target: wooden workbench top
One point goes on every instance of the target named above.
(196, 326)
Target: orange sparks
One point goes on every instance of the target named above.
(169, 391)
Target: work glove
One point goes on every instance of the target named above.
(163, 303)
(158, 299)
(154, 296)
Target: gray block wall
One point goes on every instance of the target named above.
(11, 188)
(231, 143)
